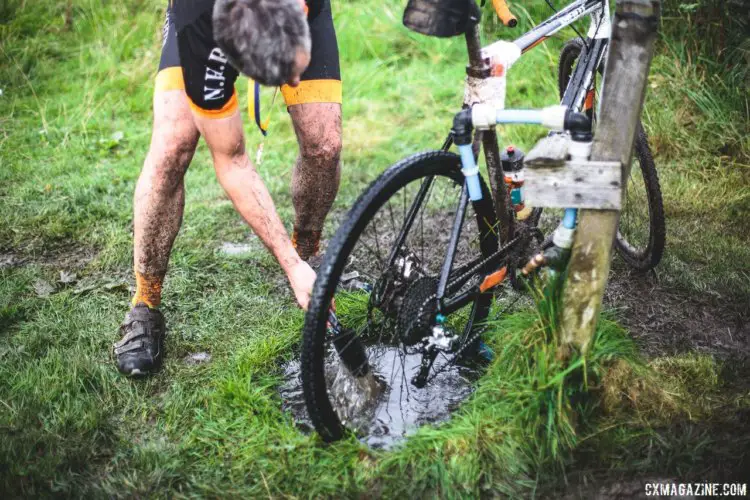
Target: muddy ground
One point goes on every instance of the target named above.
(666, 321)
(663, 321)
(62, 257)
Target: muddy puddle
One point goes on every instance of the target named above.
(398, 409)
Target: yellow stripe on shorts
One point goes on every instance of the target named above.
(309, 91)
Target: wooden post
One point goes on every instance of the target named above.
(634, 31)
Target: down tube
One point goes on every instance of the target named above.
(450, 255)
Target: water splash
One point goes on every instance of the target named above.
(353, 398)
(384, 408)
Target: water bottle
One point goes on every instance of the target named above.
(512, 161)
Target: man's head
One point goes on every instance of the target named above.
(267, 40)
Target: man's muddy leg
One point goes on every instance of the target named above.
(316, 176)
(160, 193)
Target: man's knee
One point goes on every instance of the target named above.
(168, 160)
(173, 139)
(323, 151)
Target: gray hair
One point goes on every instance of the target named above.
(261, 37)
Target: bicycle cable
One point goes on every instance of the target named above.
(549, 4)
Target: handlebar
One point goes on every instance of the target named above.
(504, 13)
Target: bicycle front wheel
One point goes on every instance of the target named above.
(641, 233)
(381, 270)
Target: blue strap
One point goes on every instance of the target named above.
(256, 109)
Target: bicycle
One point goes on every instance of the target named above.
(414, 293)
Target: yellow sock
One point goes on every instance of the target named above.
(147, 289)
(307, 243)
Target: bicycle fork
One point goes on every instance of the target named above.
(485, 117)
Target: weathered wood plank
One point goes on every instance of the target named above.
(594, 185)
(630, 52)
(548, 152)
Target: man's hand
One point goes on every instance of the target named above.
(302, 279)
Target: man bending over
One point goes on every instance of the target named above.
(195, 97)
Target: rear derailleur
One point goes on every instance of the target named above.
(440, 340)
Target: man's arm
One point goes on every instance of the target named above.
(246, 189)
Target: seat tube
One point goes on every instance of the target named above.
(503, 209)
(474, 47)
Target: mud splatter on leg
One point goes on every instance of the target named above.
(317, 172)
(159, 198)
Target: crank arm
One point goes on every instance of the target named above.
(349, 347)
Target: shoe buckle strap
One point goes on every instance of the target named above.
(134, 346)
(133, 334)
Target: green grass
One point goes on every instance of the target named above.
(75, 115)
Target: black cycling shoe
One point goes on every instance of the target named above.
(141, 349)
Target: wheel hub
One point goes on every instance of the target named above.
(388, 293)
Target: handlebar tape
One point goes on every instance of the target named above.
(504, 13)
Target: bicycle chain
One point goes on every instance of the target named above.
(461, 278)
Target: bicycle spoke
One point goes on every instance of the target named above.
(387, 301)
(390, 212)
(377, 238)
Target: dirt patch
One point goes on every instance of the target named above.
(666, 321)
(60, 257)
(10, 259)
(65, 269)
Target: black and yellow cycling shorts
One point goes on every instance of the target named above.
(191, 61)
